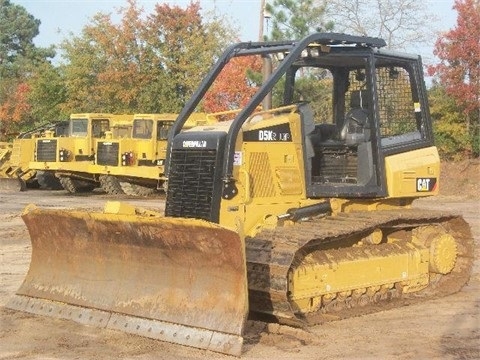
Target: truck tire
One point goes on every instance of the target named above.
(74, 186)
(111, 185)
(48, 181)
(137, 190)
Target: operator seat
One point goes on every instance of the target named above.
(356, 128)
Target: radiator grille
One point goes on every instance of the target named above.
(107, 153)
(47, 150)
(191, 184)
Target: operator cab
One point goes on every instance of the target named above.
(363, 104)
(357, 105)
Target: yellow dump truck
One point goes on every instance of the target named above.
(69, 157)
(301, 213)
(135, 165)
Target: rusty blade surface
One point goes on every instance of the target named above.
(178, 271)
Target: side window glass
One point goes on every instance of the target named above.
(315, 86)
(399, 109)
(163, 127)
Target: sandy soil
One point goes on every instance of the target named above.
(446, 328)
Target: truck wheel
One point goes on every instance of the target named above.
(74, 186)
(111, 185)
(48, 181)
(136, 190)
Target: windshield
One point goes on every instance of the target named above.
(142, 129)
(99, 127)
(79, 127)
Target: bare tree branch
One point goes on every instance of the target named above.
(402, 23)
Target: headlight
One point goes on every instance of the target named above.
(63, 155)
(127, 159)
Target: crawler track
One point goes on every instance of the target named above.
(272, 253)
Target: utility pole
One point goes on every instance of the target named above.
(267, 60)
(262, 20)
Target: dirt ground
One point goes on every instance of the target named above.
(446, 328)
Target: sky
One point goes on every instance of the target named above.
(60, 18)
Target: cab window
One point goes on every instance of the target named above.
(99, 127)
(79, 127)
(399, 107)
(163, 129)
(142, 129)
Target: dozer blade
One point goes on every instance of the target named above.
(12, 184)
(177, 280)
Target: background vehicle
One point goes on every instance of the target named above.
(15, 172)
(5, 166)
(296, 213)
(69, 157)
(135, 165)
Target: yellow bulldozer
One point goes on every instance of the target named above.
(134, 165)
(68, 157)
(300, 213)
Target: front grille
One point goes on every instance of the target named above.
(47, 150)
(107, 153)
(191, 184)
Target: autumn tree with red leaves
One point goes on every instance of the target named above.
(19, 62)
(235, 85)
(143, 63)
(15, 104)
(459, 68)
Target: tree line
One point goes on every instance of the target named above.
(152, 62)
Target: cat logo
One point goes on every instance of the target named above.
(194, 144)
(426, 184)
